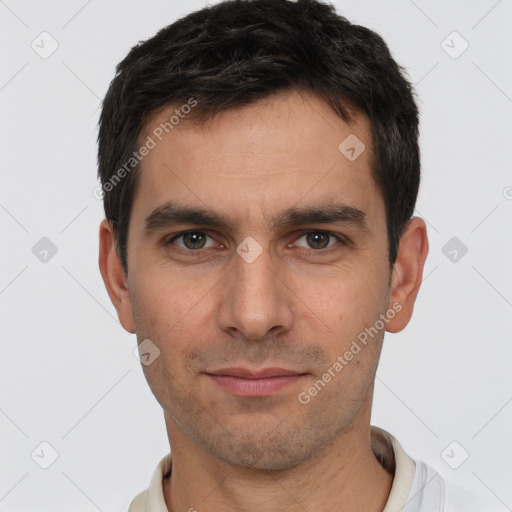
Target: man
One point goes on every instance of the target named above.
(260, 166)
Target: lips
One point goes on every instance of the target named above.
(244, 382)
(245, 373)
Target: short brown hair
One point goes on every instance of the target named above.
(239, 51)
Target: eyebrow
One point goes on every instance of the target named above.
(169, 214)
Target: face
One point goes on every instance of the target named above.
(256, 243)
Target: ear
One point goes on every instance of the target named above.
(407, 272)
(114, 277)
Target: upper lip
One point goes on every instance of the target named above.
(253, 374)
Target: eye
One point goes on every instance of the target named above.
(319, 240)
(191, 240)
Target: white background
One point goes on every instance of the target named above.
(68, 375)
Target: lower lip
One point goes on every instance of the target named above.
(255, 387)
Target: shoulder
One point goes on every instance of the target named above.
(432, 492)
(458, 499)
(152, 499)
(138, 503)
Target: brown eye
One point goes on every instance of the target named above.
(192, 241)
(318, 240)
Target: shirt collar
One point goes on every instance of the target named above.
(386, 448)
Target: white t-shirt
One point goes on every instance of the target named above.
(416, 487)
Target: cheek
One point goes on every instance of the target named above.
(153, 311)
(171, 318)
(350, 304)
(167, 293)
(347, 297)
(170, 310)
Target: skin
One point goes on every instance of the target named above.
(297, 305)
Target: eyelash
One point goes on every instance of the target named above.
(199, 252)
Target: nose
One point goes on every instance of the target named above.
(254, 299)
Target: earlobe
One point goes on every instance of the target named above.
(114, 277)
(407, 272)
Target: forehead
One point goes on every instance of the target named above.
(277, 152)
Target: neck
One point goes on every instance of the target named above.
(343, 477)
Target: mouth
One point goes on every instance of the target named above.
(250, 383)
